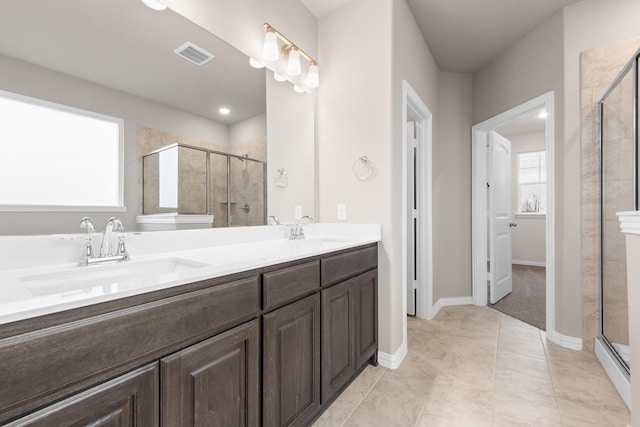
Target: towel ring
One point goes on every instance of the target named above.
(282, 180)
(363, 168)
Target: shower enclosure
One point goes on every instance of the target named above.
(618, 136)
(185, 179)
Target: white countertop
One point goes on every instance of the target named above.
(31, 286)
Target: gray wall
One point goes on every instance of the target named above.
(452, 189)
(532, 66)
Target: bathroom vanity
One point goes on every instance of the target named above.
(271, 345)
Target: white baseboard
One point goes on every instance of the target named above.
(616, 374)
(529, 263)
(393, 361)
(446, 302)
(566, 341)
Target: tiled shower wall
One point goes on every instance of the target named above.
(246, 176)
(598, 68)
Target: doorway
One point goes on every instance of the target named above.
(416, 201)
(482, 273)
(525, 299)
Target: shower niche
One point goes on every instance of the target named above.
(183, 180)
(618, 146)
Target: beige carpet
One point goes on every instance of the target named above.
(528, 299)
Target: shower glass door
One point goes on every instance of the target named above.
(618, 194)
(247, 192)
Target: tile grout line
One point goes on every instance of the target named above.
(495, 364)
(553, 380)
(364, 397)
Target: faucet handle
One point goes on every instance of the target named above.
(122, 249)
(117, 224)
(85, 224)
(87, 248)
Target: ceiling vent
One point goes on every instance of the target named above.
(194, 53)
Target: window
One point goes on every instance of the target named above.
(56, 157)
(532, 183)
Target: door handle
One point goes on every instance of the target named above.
(513, 224)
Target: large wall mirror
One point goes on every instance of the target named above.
(118, 58)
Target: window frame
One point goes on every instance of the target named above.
(119, 202)
(518, 213)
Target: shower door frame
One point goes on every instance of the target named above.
(631, 65)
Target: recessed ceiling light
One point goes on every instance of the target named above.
(255, 64)
(224, 110)
(542, 114)
(154, 4)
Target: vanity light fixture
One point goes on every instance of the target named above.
(255, 64)
(291, 54)
(154, 4)
(224, 110)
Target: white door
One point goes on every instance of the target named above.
(500, 279)
(412, 236)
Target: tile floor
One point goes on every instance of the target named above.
(474, 366)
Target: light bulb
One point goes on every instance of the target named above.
(279, 78)
(313, 79)
(224, 110)
(154, 4)
(270, 48)
(293, 64)
(255, 64)
(298, 89)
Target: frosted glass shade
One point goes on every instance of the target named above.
(293, 64)
(270, 48)
(313, 79)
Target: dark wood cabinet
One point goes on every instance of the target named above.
(365, 289)
(271, 346)
(130, 400)
(349, 330)
(291, 361)
(338, 335)
(214, 383)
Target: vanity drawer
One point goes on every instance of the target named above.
(42, 366)
(339, 267)
(288, 284)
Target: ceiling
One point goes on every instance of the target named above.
(464, 35)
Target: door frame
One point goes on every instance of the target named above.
(479, 203)
(412, 104)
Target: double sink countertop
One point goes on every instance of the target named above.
(40, 274)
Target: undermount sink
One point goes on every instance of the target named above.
(110, 277)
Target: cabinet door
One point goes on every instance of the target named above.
(215, 382)
(127, 401)
(365, 288)
(338, 336)
(291, 360)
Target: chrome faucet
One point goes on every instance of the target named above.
(106, 254)
(106, 248)
(297, 233)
